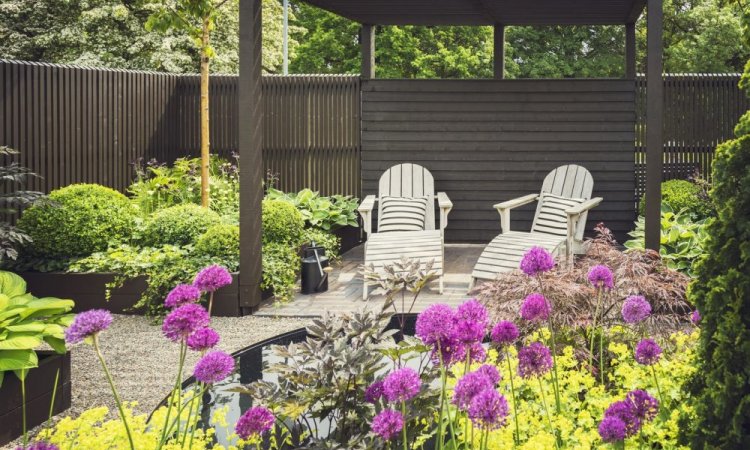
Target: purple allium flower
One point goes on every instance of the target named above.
(374, 392)
(401, 385)
(39, 445)
(647, 352)
(626, 412)
(537, 260)
(449, 350)
(387, 424)
(87, 324)
(490, 372)
(534, 360)
(695, 317)
(535, 308)
(436, 324)
(213, 367)
(488, 410)
(635, 309)
(644, 405)
(182, 294)
(601, 277)
(612, 429)
(254, 422)
(468, 386)
(212, 278)
(472, 321)
(504, 333)
(203, 339)
(184, 321)
(476, 352)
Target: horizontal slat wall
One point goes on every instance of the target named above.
(82, 125)
(486, 141)
(700, 112)
(311, 128)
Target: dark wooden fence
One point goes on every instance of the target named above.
(700, 112)
(83, 125)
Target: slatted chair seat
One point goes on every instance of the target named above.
(559, 223)
(406, 220)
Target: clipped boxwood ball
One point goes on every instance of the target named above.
(78, 220)
(683, 195)
(178, 225)
(221, 241)
(282, 223)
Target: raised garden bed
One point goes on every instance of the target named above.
(40, 383)
(88, 290)
(350, 237)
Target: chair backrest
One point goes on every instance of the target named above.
(571, 181)
(408, 180)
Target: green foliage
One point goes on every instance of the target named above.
(178, 225)
(683, 196)
(281, 262)
(26, 322)
(282, 223)
(158, 186)
(220, 241)
(330, 242)
(327, 213)
(682, 239)
(721, 293)
(77, 220)
(13, 177)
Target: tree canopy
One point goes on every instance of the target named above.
(699, 36)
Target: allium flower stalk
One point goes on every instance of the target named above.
(601, 278)
(211, 279)
(88, 325)
(254, 422)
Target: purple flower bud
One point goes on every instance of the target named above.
(534, 360)
(504, 333)
(647, 352)
(254, 422)
(635, 309)
(695, 317)
(488, 410)
(213, 367)
(212, 278)
(184, 321)
(203, 339)
(612, 429)
(87, 324)
(401, 385)
(387, 424)
(537, 260)
(535, 308)
(601, 277)
(182, 294)
(374, 392)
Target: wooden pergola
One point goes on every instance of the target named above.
(496, 13)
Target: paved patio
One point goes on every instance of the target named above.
(345, 286)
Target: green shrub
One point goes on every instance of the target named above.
(721, 292)
(282, 223)
(77, 220)
(327, 213)
(221, 240)
(683, 195)
(178, 225)
(330, 242)
(280, 266)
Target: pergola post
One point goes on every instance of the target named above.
(630, 51)
(499, 51)
(250, 148)
(654, 123)
(367, 43)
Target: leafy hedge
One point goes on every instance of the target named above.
(221, 240)
(282, 223)
(77, 220)
(722, 295)
(178, 225)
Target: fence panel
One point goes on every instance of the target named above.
(700, 112)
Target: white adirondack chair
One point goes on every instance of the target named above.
(558, 226)
(384, 247)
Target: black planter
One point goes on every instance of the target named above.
(88, 290)
(40, 383)
(350, 237)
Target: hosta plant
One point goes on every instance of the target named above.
(327, 213)
(681, 239)
(26, 322)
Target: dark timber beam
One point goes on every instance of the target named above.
(499, 51)
(251, 160)
(654, 123)
(630, 52)
(367, 42)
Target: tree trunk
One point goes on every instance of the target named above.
(205, 152)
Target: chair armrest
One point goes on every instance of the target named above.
(516, 202)
(445, 204)
(365, 210)
(505, 207)
(585, 206)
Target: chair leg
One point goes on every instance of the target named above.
(471, 283)
(441, 285)
(364, 290)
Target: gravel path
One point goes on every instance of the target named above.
(144, 364)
